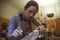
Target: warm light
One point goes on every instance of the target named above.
(46, 2)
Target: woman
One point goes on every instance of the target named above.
(23, 21)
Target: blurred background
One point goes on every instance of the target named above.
(9, 8)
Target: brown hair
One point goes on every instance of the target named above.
(31, 3)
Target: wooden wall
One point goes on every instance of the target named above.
(4, 20)
(58, 25)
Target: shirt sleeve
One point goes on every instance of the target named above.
(12, 25)
(35, 22)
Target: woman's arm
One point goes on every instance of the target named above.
(11, 27)
(40, 26)
(35, 22)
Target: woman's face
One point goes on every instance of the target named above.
(30, 12)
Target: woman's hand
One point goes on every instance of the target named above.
(41, 28)
(17, 32)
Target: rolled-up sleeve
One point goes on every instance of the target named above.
(12, 25)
